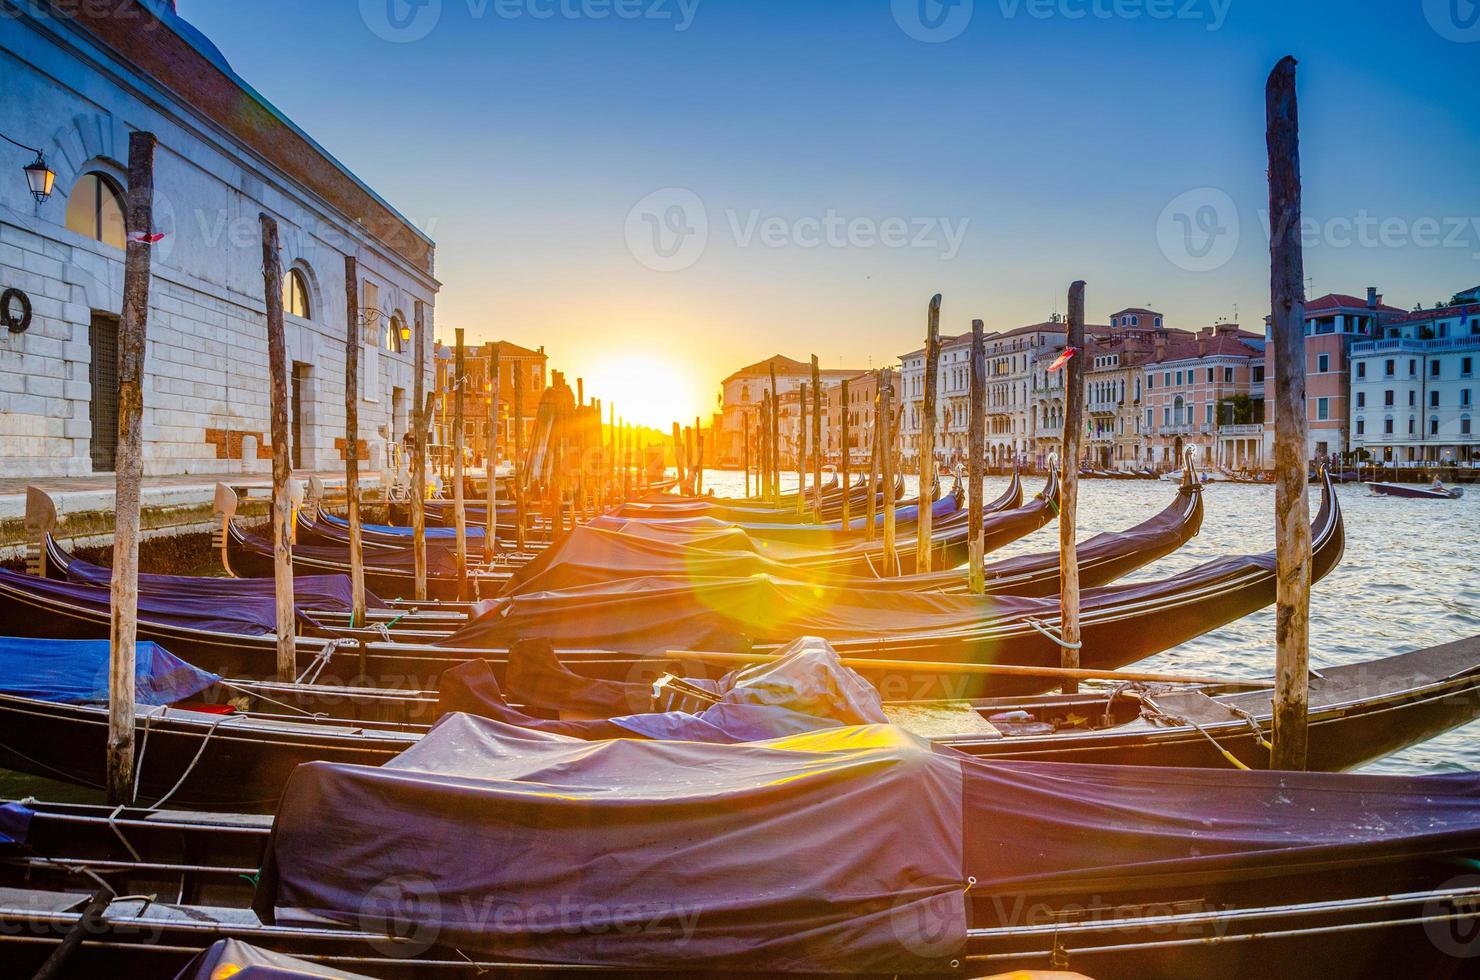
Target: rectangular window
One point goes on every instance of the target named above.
(1466, 366)
(1179, 377)
(1361, 369)
(1361, 427)
(1433, 369)
(1387, 398)
(1387, 426)
(1323, 409)
(1433, 399)
(1150, 419)
(1228, 375)
(1209, 414)
(1464, 398)
(1210, 375)
(1166, 416)
(1361, 399)
(1433, 427)
(1412, 398)
(1388, 368)
(1258, 374)
(1411, 428)
(1464, 426)
(1323, 363)
(1412, 368)
(1166, 379)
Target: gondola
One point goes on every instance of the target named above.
(1415, 492)
(1358, 714)
(1127, 872)
(1120, 625)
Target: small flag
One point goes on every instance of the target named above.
(1063, 359)
(146, 239)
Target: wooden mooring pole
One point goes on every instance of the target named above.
(886, 463)
(801, 448)
(925, 463)
(845, 440)
(419, 414)
(282, 471)
(129, 469)
(817, 448)
(871, 508)
(775, 440)
(1068, 505)
(459, 493)
(352, 337)
(976, 449)
(490, 541)
(1291, 506)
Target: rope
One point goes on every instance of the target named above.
(1253, 725)
(118, 832)
(282, 704)
(1179, 720)
(319, 662)
(1040, 627)
(193, 762)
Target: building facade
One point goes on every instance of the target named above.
(1414, 388)
(80, 80)
(742, 393)
(529, 365)
(1193, 388)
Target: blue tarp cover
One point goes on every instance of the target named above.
(76, 672)
(396, 531)
(15, 823)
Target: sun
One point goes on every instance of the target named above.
(647, 389)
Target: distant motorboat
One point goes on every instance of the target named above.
(1437, 492)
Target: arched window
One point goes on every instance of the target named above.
(95, 209)
(394, 328)
(1179, 409)
(295, 295)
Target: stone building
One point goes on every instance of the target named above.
(513, 359)
(80, 78)
(741, 396)
(1191, 386)
(1414, 388)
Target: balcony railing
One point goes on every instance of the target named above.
(1417, 346)
(1254, 429)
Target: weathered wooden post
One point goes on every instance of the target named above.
(490, 541)
(680, 466)
(1291, 507)
(129, 469)
(775, 440)
(626, 460)
(817, 447)
(886, 463)
(282, 507)
(459, 494)
(976, 449)
(352, 330)
(517, 424)
(1073, 425)
(845, 439)
(802, 448)
(745, 450)
(698, 464)
(926, 462)
(874, 465)
(763, 446)
(420, 415)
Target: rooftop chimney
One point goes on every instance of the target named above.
(1202, 341)
(1160, 343)
(1373, 299)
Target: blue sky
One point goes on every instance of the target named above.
(567, 165)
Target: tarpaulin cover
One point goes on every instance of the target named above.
(76, 672)
(234, 959)
(766, 856)
(643, 616)
(246, 615)
(821, 852)
(15, 823)
(807, 689)
(440, 560)
(341, 524)
(310, 592)
(588, 556)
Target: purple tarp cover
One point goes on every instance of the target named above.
(851, 850)
(237, 960)
(245, 615)
(310, 592)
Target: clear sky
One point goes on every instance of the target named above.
(665, 193)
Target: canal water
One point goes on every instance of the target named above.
(1410, 578)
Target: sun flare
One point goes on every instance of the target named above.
(647, 389)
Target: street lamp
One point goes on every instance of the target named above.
(40, 178)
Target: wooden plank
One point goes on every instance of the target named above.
(282, 507)
(129, 468)
(1068, 505)
(925, 461)
(1291, 505)
(353, 327)
(976, 450)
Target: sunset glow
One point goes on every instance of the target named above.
(648, 389)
